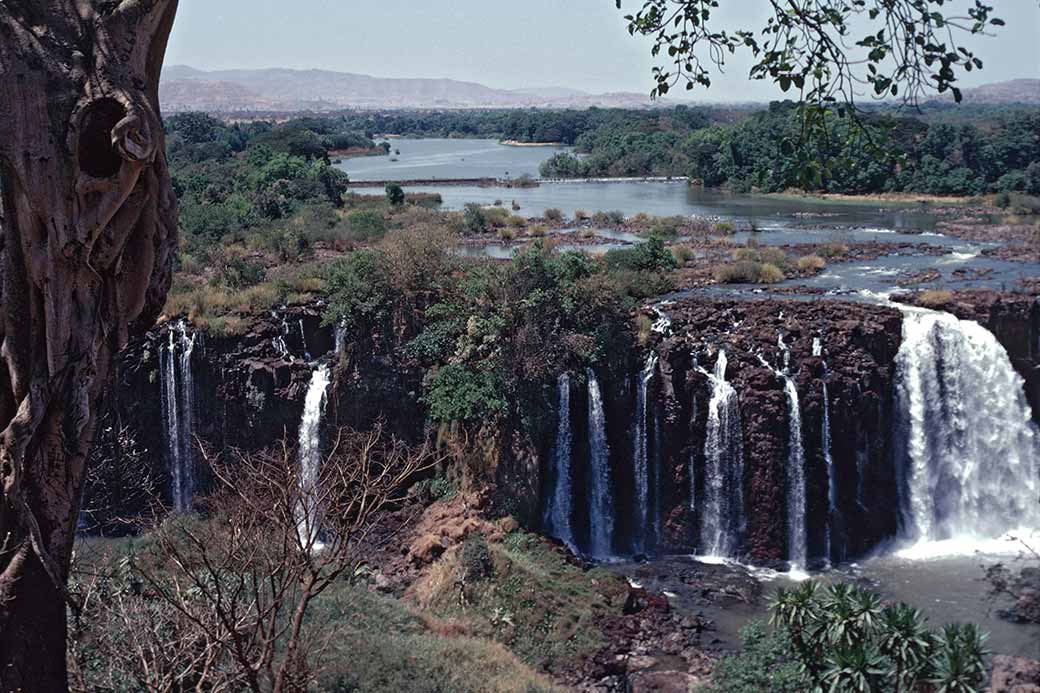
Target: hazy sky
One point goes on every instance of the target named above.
(522, 43)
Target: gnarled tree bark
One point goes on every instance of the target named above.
(88, 222)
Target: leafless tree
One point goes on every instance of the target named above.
(223, 599)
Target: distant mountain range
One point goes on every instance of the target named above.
(1024, 91)
(226, 91)
(185, 88)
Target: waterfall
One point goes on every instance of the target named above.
(558, 511)
(601, 497)
(640, 459)
(309, 452)
(968, 450)
(178, 407)
(797, 544)
(340, 338)
(303, 341)
(279, 343)
(828, 458)
(722, 508)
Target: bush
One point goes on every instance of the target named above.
(507, 233)
(366, 225)
(474, 220)
(454, 392)
(476, 559)
(651, 256)
(933, 298)
(683, 253)
(811, 263)
(723, 228)
(608, 218)
(581, 215)
(748, 272)
(394, 194)
(832, 249)
(537, 230)
(765, 663)
(553, 214)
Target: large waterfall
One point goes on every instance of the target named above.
(601, 510)
(178, 407)
(640, 456)
(968, 451)
(309, 452)
(558, 511)
(722, 508)
(828, 459)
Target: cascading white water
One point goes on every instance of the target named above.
(601, 495)
(968, 449)
(178, 406)
(279, 343)
(797, 544)
(340, 338)
(303, 340)
(640, 458)
(309, 452)
(558, 512)
(722, 507)
(828, 457)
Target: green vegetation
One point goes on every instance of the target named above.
(492, 336)
(760, 265)
(1002, 155)
(842, 638)
(524, 594)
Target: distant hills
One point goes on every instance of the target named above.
(185, 88)
(188, 89)
(1024, 91)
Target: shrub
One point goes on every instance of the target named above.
(507, 233)
(537, 230)
(723, 228)
(813, 263)
(497, 216)
(581, 215)
(394, 194)
(366, 225)
(933, 298)
(646, 257)
(667, 227)
(516, 221)
(748, 272)
(553, 214)
(476, 559)
(454, 392)
(766, 663)
(608, 218)
(474, 220)
(832, 249)
(683, 253)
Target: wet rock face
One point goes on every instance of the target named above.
(249, 388)
(859, 347)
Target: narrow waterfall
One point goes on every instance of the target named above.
(640, 456)
(340, 338)
(303, 341)
(279, 343)
(968, 449)
(309, 452)
(558, 511)
(828, 458)
(797, 544)
(601, 496)
(722, 508)
(178, 407)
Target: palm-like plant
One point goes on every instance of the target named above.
(907, 642)
(857, 668)
(958, 665)
(845, 640)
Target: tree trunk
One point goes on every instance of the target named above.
(88, 222)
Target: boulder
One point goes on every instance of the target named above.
(1015, 675)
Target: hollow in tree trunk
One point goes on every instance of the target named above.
(87, 234)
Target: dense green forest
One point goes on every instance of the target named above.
(984, 150)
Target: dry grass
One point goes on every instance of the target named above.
(933, 298)
(811, 263)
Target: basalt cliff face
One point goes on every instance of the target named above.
(757, 429)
